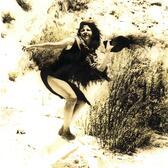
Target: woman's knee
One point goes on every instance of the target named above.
(71, 99)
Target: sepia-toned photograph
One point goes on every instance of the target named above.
(83, 83)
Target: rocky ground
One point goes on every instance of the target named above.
(30, 116)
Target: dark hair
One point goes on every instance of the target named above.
(95, 39)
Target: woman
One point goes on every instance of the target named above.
(76, 66)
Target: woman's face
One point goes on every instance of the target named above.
(86, 33)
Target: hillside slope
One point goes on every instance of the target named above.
(30, 115)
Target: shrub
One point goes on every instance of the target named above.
(158, 89)
(137, 95)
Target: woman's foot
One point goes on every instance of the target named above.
(66, 134)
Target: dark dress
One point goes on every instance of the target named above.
(76, 67)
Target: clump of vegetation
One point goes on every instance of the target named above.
(7, 18)
(77, 5)
(73, 5)
(44, 58)
(137, 96)
(24, 5)
(158, 119)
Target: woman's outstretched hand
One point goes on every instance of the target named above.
(27, 48)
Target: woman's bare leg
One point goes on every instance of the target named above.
(63, 89)
(78, 107)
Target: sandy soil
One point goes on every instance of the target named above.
(29, 141)
(30, 116)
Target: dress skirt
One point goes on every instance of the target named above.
(75, 74)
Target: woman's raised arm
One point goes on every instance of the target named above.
(55, 45)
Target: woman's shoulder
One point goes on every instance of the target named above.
(72, 41)
(69, 42)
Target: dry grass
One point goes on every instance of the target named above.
(77, 5)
